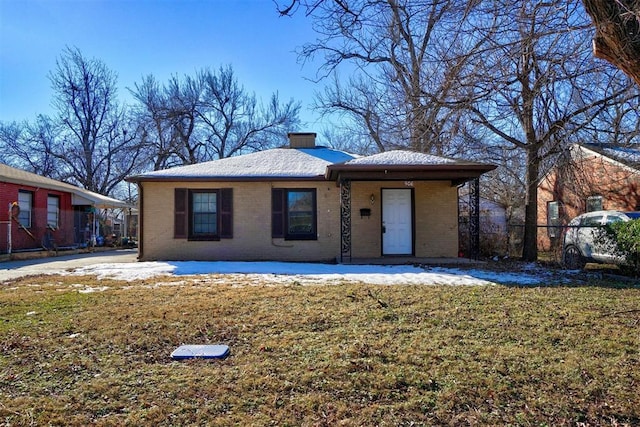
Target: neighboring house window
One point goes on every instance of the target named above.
(25, 201)
(203, 214)
(53, 211)
(293, 213)
(553, 219)
(594, 203)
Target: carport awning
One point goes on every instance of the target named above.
(85, 197)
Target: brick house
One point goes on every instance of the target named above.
(303, 203)
(588, 177)
(42, 213)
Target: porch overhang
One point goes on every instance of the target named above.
(456, 173)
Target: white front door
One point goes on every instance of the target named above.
(397, 222)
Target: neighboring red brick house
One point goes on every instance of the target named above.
(589, 177)
(40, 213)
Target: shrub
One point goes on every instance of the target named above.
(626, 242)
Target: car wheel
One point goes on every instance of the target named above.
(573, 259)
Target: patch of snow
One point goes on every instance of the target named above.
(289, 272)
(627, 154)
(401, 157)
(89, 290)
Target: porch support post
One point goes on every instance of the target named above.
(474, 218)
(345, 220)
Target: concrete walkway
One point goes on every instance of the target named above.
(10, 270)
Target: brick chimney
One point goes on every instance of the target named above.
(302, 139)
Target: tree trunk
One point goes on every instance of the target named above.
(616, 40)
(530, 241)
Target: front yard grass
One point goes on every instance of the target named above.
(348, 354)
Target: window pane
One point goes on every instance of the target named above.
(300, 218)
(593, 221)
(594, 203)
(25, 202)
(205, 213)
(204, 202)
(204, 223)
(300, 201)
(53, 209)
(612, 219)
(553, 218)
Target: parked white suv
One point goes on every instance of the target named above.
(580, 243)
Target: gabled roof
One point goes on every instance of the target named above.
(277, 163)
(628, 155)
(80, 196)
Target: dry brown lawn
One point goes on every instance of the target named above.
(346, 354)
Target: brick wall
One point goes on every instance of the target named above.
(573, 183)
(436, 220)
(251, 225)
(21, 239)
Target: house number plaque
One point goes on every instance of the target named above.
(408, 183)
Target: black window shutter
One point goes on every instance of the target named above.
(277, 212)
(226, 213)
(180, 213)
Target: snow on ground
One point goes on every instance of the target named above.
(305, 273)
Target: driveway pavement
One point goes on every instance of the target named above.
(10, 270)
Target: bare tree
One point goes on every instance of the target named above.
(208, 116)
(404, 59)
(28, 146)
(343, 138)
(10, 142)
(166, 118)
(234, 121)
(543, 90)
(96, 147)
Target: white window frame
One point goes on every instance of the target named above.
(53, 212)
(553, 218)
(25, 201)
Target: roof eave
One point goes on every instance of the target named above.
(140, 178)
(407, 172)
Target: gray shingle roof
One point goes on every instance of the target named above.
(274, 163)
(628, 155)
(19, 176)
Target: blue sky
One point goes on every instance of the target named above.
(160, 37)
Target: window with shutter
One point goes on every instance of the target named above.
(205, 214)
(294, 214)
